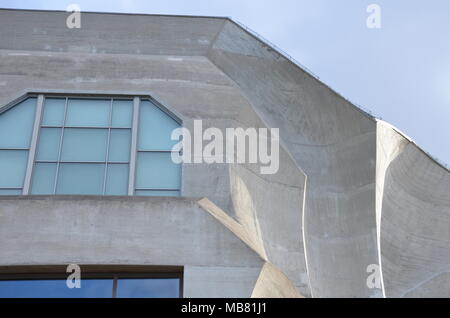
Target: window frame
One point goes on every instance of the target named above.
(113, 272)
(136, 103)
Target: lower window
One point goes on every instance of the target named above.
(102, 286)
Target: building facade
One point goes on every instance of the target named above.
(87, 177)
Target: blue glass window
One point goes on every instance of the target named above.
(80, 178)
(83, 146)
(88, 112)
(54, 110)
(158, 193)
(122, 114)
(119, 146)
(156, 174)
(55, 288)
(155, 128)
(10, 191)
(117, 179)
(79, 151)
(156, 170)
(16, 127)
(105, 287)
(44, 178)
(148, 288)
(12, 168)
(48, 148)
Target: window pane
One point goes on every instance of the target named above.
(84, 144)
(49, 140)
(155, 128)
(88, 112)
(55, 288)
(53, 112)
(122, 113)
(10, 192)
(16, 125)
(153, 193)
(80, 178)
(43, 178)
(148, 288)
(117, 179)
(119, 145)
(157, 170)
(13, 164)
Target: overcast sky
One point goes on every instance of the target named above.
(400, 72)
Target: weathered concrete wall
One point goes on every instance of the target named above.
(332, 142)
(272, 210)
(128, 231)
(189, 85)
(350, 218)
(107, 33)
(350, 191)
(272, 283)
(219, 282)
(415, 226)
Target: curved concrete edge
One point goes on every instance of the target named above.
(270, 207)
(414, 225)
(273, 283)
(333, 143)
(390, 144)
(413, 217)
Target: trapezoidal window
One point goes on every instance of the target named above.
(16, 127)
(88, 146)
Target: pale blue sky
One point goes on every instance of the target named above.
(400, 72)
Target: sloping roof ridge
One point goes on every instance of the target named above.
(123, 13)
(360, 108)
(287, 56)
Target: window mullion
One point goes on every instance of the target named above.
(107, 146)
(60, 145)
(33, 144)
(133, 154)
(114, 289)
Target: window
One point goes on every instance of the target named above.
(88, 146)
(16, 126)
(95, 286)
(156, 173)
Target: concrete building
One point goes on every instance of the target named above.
(356, 208)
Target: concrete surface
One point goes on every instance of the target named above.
(219, 282)
(272, 283)
(332, 142)
(128, 231)
(351, 191)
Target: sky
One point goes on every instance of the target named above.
(399, 72)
